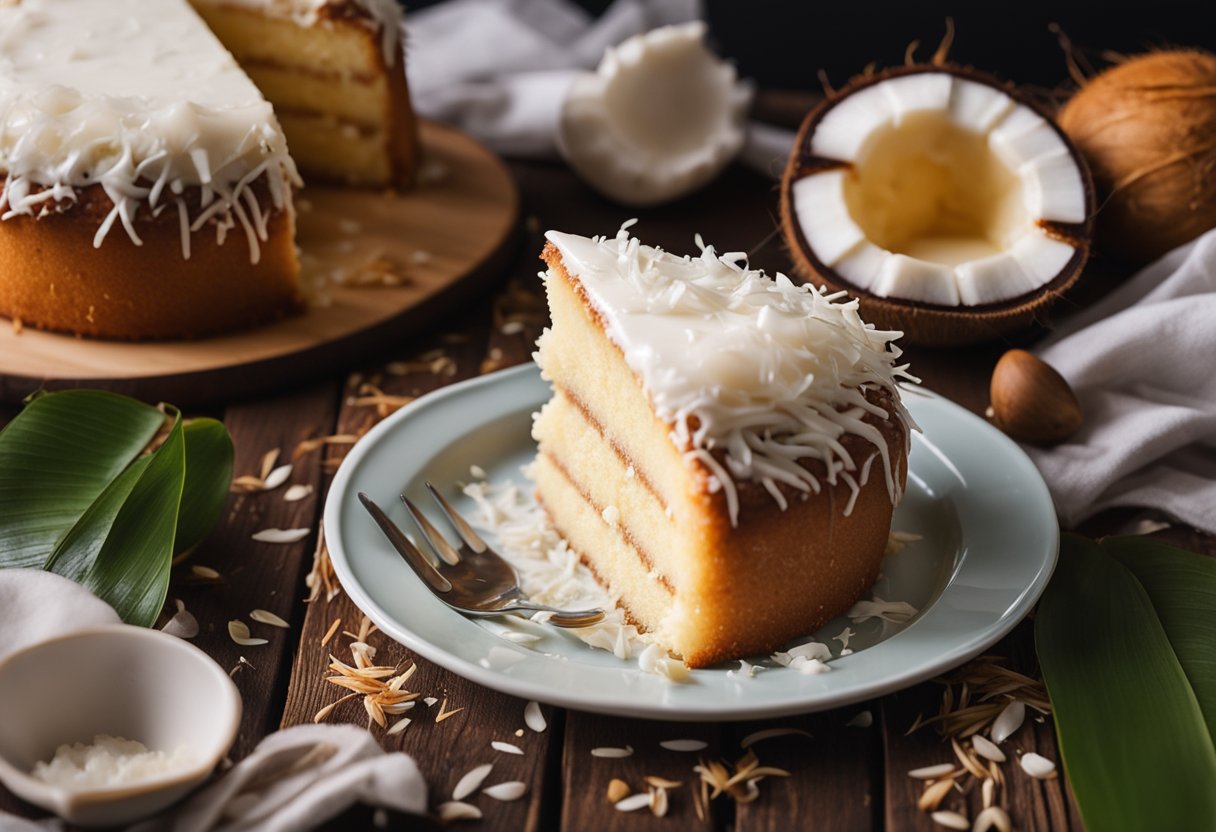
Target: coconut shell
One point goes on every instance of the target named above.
(922, 323)
(1147, 128)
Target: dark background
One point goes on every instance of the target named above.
(783, 44)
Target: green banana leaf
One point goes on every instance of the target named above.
(208, 477)
(1133, 737)
(1182, 586)
(101, 513)
(56, 457)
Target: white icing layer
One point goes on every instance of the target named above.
(384, 16)
(767, 371)
(141, 99)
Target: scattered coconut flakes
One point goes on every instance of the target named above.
(862, 720)
(950, 820)
(333, 628)
(398, 726)
(533, 717)
(444, 713)
(307, 446)
(471, 781)
(843, 637)
(267, 617)
(1008, 721)
(511, 790)
(931, 772)
(618, 790)
(987, 749)
(506, 747)
(324, 713)
(747, 669)
(684, 745)
(992, 817)
(641, 800)
(205, 572)
(897, 612)
(239, 632)
(183, 624)
(898, 541)
(321, 578)
(277, 477)
(934, 794)
(658, 802)
(429, 701)
(1038, 766)
(769, 733)
(477, 472)
(297, 492)
(612, 753)
(281, 535)
(521, 638)
(457, 810)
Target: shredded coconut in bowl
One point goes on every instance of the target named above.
(108, 761)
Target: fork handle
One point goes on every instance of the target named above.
(560, 618)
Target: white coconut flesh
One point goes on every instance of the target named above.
(942, 192)
(661, 116)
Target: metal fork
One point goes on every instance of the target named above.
(471, 578)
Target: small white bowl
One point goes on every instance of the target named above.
(120, 680)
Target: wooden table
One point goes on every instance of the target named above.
(846, 778)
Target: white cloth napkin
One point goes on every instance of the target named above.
(499, 69)
(295, 779)
(1143, 364)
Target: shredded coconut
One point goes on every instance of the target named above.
(766, 371)
(108, 761)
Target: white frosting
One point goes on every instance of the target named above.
(142, 99)
(384, 16)
(767, 371)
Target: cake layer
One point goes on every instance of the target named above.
(645, 594)
(334, 72)
(52, 277)
(359, 102)
(610, 481)
(332, 151)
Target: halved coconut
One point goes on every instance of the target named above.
(659, 118)
(953, 208)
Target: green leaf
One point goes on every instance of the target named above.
(56, 457)
(1132, 735)
(1182, 586)
(130, 568)
(208, 477)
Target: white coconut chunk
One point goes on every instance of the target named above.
(862, 266)
(919, 280)
(977, 107)
(826, 222)
(1053, 187)
(1024, 135)
(845, 127)
(660, 117)
(992, 279)
(923, 91)
(1041, 257)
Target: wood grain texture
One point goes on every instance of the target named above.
(835, 780)
(585, 777)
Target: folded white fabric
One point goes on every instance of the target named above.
(298, 778)
(36, 606)
(1141, 362)
(500, 69)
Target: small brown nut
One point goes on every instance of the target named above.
(618, 790)
(1031, 401)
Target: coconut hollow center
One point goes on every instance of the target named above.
(932, 190)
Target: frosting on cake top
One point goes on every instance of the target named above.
(767, 371)
(140, 98)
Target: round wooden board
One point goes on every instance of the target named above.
(443, 241)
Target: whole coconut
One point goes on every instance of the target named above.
(1147, 128)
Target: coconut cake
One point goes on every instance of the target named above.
(723, 449)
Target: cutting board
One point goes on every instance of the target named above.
(378, 265)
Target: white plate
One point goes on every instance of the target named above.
(989, 542)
